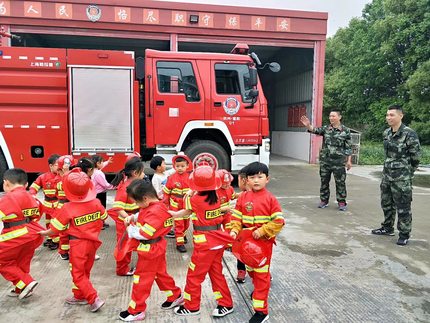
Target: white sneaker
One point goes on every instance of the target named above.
(126, 316)
(28, 289)
(221, 311)
(94, 307)
(168, 305)
(96, 257)
(72, 300)
(181, 310)
(131, 272)
(12, 293)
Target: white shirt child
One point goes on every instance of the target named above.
(159, 181)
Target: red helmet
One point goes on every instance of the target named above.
(205, 159)
(253, 253)
(124, 246)
(204, 178)
(132, 155)
(78, 187)
(182, 155)
(225, 175)
(66, 160)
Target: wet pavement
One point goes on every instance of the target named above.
(327, 267)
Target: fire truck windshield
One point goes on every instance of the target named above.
(233, 79)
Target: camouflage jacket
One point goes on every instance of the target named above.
(402, 153)
(336, 144)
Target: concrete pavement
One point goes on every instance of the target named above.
(327, 267)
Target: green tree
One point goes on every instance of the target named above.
(381, 58)
(419, 105)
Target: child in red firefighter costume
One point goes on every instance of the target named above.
(64, 164)
(176, 188)
(147, 231)
(226, 194)
(124, 206)
(19, 238)
(210, 241)
(82, 220)
(48, 183)
(258, 210)
(242, 184)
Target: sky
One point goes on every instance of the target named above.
(340, 12)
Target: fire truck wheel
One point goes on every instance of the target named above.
(211, 147)
(3, 168)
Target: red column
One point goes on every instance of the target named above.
(173, 42)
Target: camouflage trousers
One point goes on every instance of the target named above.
(397, 196)
(339, 174)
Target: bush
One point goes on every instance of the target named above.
(372, 153)
(425, 158)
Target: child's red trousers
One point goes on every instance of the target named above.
(15, 262)
(206, 262)
(82, 253)
(261, 280)
(148, 271)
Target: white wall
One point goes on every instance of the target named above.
(291, 87)
(291, 144)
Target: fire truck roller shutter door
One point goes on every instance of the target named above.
(212, 147)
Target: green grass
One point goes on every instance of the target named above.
(421, 180)
(372, 153)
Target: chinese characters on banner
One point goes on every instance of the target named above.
(283, 24)
(206, 20)
(122, 14)
(179, 18)
(4, 8)
(258, 23)
(33, 9)
(232, 21)
(63, 11)
(151, 16)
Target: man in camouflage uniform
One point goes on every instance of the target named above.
(402, 157)
(335, 155)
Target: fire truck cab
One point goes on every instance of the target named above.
(85, 102)
(206, 102)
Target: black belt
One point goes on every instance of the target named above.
(207, 227)
(181, 196)
(8, 225)
(63, 201)
(50, 199)
(150, 241)
(73, 238)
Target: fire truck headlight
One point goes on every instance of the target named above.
(267, 146)
(37, 152)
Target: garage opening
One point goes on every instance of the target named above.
(289, 93)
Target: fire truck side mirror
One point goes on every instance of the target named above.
(274, 67)
(140, 68)
(253, 76)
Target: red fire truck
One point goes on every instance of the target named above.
(84, 102)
